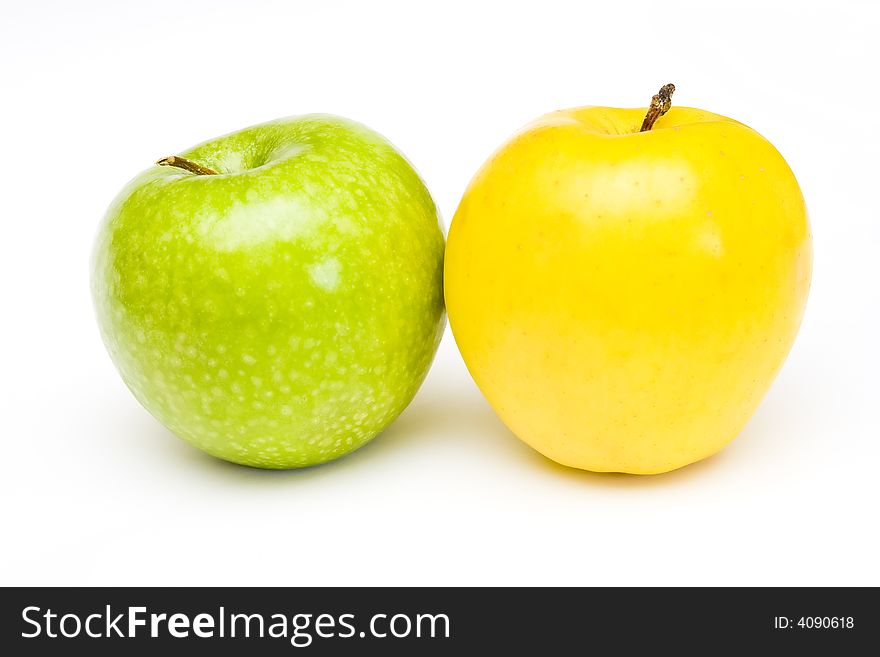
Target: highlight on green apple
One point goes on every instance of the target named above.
(274, 296)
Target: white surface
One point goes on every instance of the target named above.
(94, 491)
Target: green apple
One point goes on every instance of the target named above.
(275, 296)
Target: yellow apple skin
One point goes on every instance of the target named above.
(623, 299)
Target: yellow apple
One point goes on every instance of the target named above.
(624, 298)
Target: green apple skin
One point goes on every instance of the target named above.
(281, 313)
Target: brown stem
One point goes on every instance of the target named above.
(660, 104)
(188, 165)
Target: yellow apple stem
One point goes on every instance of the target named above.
(188, 165)
(660, 104)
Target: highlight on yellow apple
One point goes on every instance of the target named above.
(624, 284)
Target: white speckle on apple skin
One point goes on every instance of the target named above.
(325, 274)
(283, 316)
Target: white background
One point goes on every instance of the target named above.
(94, 491)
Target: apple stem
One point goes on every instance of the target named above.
(660, 104)
(188, 165)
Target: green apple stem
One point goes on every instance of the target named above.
(660, 104)
(188, 165)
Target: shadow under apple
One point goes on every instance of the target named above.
(441, 417)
